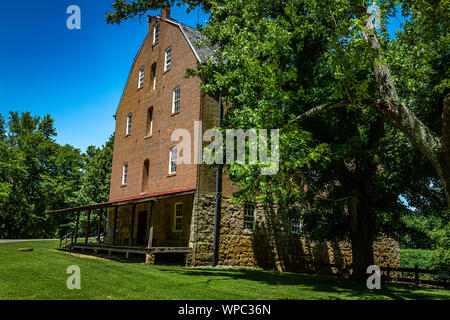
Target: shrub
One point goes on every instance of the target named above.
(410, 257)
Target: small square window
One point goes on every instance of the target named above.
(249, 216)
(168, 59)
(176, 100)
(173, 160)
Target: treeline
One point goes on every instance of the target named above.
(37, 174)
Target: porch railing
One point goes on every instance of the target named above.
(66, 241)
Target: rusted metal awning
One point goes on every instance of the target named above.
(127, 201)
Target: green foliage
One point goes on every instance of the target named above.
(38, 175)
(129, 9)
(275, 60)
(410, 257)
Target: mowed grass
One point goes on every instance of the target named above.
(41, 274)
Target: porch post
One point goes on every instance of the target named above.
(86, 236)
(116, 216)
(99, 228)
(133, 212)
(76, 226)
(150, 232)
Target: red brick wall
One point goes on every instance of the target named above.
(136, 148)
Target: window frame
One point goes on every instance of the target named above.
(168, 64)
(157, 27)
(177, 218)
(154, 75)
(173, 151)
(149, 129)
(125, 174)
(141, 77)
(252, 217)
(145, 176)
(175, 100)
(296, 226)
(129, 124)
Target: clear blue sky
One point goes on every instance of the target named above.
(76, 76)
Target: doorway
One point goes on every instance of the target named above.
(141, 236)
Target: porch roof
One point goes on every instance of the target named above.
(126, 201)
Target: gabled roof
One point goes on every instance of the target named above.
(191, 35)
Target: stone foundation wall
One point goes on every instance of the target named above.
(270, 245)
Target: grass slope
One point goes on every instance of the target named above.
(41, 274)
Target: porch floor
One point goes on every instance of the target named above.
(128, 249)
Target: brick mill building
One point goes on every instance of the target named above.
(160, 208)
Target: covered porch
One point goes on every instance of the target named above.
(150, 225)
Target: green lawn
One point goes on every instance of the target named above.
(41, 274)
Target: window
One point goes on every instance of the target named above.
(129, 123)
(173, 160)
(156, 34)
(125, 173)
(141, 77)
(154, 76)
(296, 226)
(168, 59)
(149, 122)
(249, 216)
(176, 100)
(178, 217)
(145, 172)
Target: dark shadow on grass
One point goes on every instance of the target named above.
(326, 284)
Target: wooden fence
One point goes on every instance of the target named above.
(394, 274)
(391, 273)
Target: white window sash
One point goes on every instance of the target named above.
(125, 173)
(154, 78)
(141, 77)
(129, 124)
(156, 34)
(249, 216)
(151, 123)
(176, 100)
(168, 59)
(173, 160)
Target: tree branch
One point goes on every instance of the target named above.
(324, 107)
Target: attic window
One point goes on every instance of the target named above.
(168, 59)
(141, 77)
(156, 34)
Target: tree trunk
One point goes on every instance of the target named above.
(445, 154)
(437, 150)
(361, 236)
